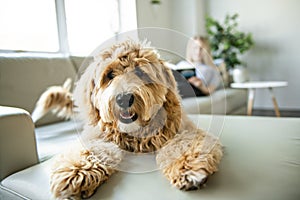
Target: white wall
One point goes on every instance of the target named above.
(155, 16)
(188, 17)
(275, 26)
(151, 16)
(276, 29)
(184, 16)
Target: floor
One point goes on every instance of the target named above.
(271, 113)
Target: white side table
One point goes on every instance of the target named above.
(252, 86)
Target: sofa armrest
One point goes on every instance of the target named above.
(17, 141)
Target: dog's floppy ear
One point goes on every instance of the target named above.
(168, 74)
(172, 104)
(83, 92)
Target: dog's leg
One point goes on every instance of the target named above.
(189, 159)
(57, 99)
(78, 173)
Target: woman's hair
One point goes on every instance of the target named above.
(206, 58)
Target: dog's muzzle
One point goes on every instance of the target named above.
(125, 101)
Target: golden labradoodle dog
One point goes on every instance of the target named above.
(129, 100)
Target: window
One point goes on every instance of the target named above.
(74, 27)
(91, 22)
(28, 25)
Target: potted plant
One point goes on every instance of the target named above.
(227, 42)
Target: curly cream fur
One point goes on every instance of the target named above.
(78, 177)
(186, 155)
(57, 99)
(186, 161)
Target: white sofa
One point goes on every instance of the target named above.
(226, 101)
(27, 77)
(261, 161)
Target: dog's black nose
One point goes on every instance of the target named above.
(125, 100)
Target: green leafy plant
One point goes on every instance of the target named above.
(226, 41)
(155, 1)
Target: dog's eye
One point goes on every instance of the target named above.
(139, 72)
(142, 75)
(110, 75)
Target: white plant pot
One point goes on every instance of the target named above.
(240, 75)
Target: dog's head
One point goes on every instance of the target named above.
(130, 93)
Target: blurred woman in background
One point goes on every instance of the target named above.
(206, 78)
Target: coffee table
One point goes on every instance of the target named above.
(252, 86)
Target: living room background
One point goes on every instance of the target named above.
(275, 29)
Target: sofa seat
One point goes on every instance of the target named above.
(27, 77)
(228, 101)
(54, 138)
(261, 161)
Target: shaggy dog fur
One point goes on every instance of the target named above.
(129, 100)
(57, 99)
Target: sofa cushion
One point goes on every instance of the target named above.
(32, 183)
(17, 141)
(55, 138)
(220, 102)
(27, 77)
(261, 161)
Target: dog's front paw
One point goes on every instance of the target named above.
(76, 180)
(188, 179)
(76, 183)
(188, 159)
